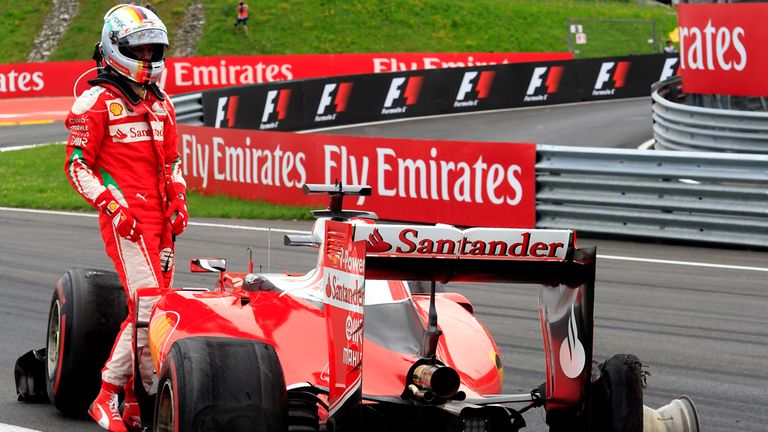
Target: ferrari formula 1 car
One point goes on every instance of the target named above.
(365, 341)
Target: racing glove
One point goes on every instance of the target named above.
(177, 211)
(122, 217)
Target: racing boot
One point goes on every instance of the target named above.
(131, 413)
(104, 409)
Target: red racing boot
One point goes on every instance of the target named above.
(104, 409)
(131, 413)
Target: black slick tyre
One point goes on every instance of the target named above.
(221, 384)
(87, 309)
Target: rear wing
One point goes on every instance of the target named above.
(445, 254)
(565, 275)
(353, 251)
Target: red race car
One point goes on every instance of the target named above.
(364, 341)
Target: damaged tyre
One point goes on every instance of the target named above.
(87, 309)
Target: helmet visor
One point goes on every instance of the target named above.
(144, 37)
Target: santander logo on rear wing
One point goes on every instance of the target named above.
(474, 243)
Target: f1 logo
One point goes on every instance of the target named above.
(537, 79)
(340, 99)
(412, 89)
(669, 69)
(619, 75)
(283, 97)
(230, 114)
(468, 85)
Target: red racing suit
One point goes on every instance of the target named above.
(132, 151)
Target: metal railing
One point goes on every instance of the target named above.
(677, 126)
(189, 108)
(686, 196)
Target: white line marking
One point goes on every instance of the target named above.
(52, 212)
(11, 428)
(290, 231)
(249, 228)
(203, 224)
(26, 146)
(37, 113)
(399, 120)
(647, 145)
(684, 263)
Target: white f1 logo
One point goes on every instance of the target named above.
(536, 80)
(269, 107)
(466, 85)
(604, 76)
(326, 99)
(220, 116)
(394, 91)
(669, 68)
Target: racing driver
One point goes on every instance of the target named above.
(122, 158)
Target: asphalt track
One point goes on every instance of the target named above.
(695, 316)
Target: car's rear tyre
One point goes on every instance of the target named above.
(87, 309)
(221, 384)
(616, 400)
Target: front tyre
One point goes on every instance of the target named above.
(87, 309)
(221, 384)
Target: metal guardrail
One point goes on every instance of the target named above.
(678, 126)
(189, 108)
(685, 196)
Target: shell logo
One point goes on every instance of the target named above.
(160, 328)
(116, 109)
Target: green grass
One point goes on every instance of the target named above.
(308, 27)
(349, 26)
(20, 23)
(85, 30)
(34, 178)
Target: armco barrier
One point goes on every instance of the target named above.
(688, 196)
(677, 126)
(189, 108)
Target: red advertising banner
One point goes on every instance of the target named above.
(343, 274)
(190, 74)
(22, 80)
(723, 48)
(454, 182)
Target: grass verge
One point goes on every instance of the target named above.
(309, 27)
(362, 26)
(85, 30)
(20, 22)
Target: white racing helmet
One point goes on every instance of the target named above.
(125, 26)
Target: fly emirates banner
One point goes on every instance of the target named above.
(724, 48)
(460, 183)
(191, 74)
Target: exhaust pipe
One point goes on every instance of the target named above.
(677, 416)
(441, 380)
